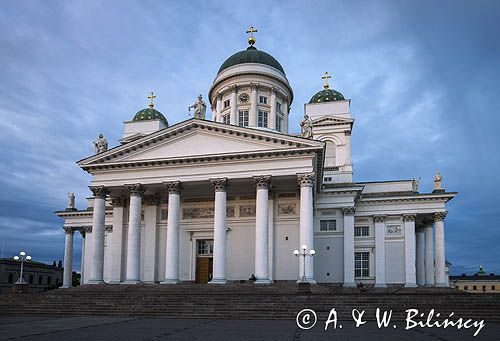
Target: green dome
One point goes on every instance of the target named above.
(327, 95)
(251, 55)
(150, 114)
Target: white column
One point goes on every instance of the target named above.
(150, 217)
(410, 266)
(219, 107)
(379, 251)
(172, 252)
(98, 217)
(285, 116)
(68, 258)
(272, 114)
(262, 184)
(117, 240)
(234, 107)
(440, 251)
(220, 239)
(349, 247)
(429, 254)
(306, 224)
(252, 119)
(82, 263)
(420, 256)
(133, 275)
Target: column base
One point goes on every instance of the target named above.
(380, 285)
(66, 286)
(263, 281)
(442, 285)
(95, 281)
(115, 282)
(131, 281)
(349, 285)
(217, 281)
(308, 280)
(148, 282)
(430, 285)
(170, 281)
(411, 285)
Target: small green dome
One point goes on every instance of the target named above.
(251, 55)
(327, 95)
(150, 114)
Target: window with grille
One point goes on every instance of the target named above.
(226, 103)
(361, 231)
(278, 106)
(328, 225)
(243, 118)
(263, 100)
(361, 264)
(279, 122)
(205, 247)
(226, 119)
(262, 119)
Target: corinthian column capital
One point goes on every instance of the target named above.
(173, 187)
(348, 210)
(306, 180)
(379, 218)
(440, 216)
(152, 200)
(220, 185)
(118, 201)
(68, 230)
(262, 181)
(409, 217)
(136, 189)
(99, 192)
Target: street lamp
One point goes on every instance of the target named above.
(304, 253)
(22, 256)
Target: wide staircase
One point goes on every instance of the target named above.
(248, 301)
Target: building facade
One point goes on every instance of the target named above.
(222, 199)
(39, 276)
(479, 283)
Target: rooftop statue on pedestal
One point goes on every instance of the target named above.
(438, 178)
(199, 108)
(306, 127)
(101, 144)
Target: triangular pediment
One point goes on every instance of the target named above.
(332, 120)
(199, 138)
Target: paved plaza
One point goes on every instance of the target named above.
(145, 328)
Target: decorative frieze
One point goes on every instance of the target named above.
(99, 192)
(230, 211)
(247, 211)
(152, 200)
(394, 230)
(440, 216)
(198, 213)
(262, 181)
(409, 217)
(220, 185)
(379, 218)
(136, 189)
(306, 180)
(173, 187)
(287, 209)
(348, 210)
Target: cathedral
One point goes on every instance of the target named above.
(236, 196)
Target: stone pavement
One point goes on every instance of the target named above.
(129, 328)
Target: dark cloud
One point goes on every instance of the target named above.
(423, 79)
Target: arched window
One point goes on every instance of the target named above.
(40, 280)
(331, 151)
(31, 279)
(49, 280)
(11, 278)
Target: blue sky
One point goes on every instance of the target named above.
(423, 78)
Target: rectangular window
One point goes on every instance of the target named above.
(205, 247)
(328, 225)
(474, 287)
(226, 119)
(362, 264)
(361, 231)
(262, 119)
(466, 287)
(226, 103)
(328, 179)
(492, 287)
(278, 123)
(263, 100)
(243, 118)
(278, 106)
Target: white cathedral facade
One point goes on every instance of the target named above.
(228, 198)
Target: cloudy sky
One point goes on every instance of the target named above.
(423, 77)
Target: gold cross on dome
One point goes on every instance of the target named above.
(251, 39)
(326, 76)
(151, 97)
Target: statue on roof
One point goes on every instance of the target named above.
(306, 127)
(101, 144)
(71, 201)
(438, 178)
(199, 108)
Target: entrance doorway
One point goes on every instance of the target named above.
(204, 260)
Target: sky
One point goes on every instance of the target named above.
(423, 78)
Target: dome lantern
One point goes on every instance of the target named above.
(327, 94)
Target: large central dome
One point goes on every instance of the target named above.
(251, 55)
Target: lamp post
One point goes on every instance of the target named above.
(304, 253)
(23, 257)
